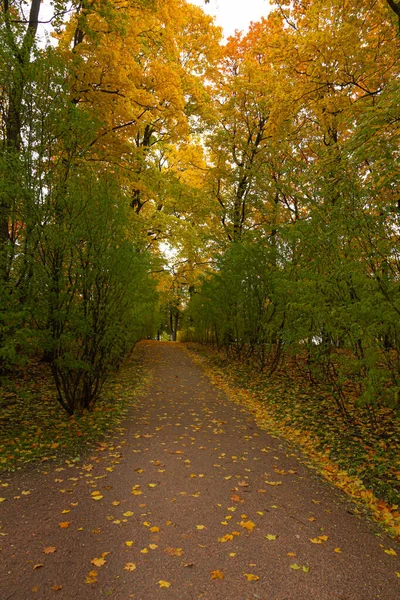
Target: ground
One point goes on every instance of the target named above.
(188, 499)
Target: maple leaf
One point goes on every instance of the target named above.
(251, 577)
(98, 562)
(200, 526)
(153, 546)
(216, 575)
(49, 550)
(130, 566)
(164, 584)
(64, 524)
(226, 538)
(91, 577)
(249, 525)
(271, 537)
(129, 544)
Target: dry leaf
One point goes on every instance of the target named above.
(216, 575)
(49, 550)
(64, 524)
(162, 583)
(130, 567)
(98, 562)
(251, 577)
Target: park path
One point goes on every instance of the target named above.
(189, 499)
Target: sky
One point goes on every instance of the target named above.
(234, 14)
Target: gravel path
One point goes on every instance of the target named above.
(189, 499)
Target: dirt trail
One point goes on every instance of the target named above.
(188, 500)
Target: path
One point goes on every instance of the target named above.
(178, 504)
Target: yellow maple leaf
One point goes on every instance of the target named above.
(130, 567)
(129, 544)
(216, 575)
(98, 562)
(164, 584)
(251, 577)
(249, 525)
(226, 538)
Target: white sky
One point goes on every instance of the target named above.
(235, 14)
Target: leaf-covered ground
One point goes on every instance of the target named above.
(187, 498)
(34, 427)
(359, 457)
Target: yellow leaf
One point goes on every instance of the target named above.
(338, 550)
(130, 567)
(153, 546)
(251, 577)
(146, 523)
(273, 482)
(295, 567)
(144, 551)
(200, 526)
(249, 525)
(164, 584)
(116, 503)
(216, 575)
(154, 529)
(152, 485)
(98, 562)
(391, 552)
(91, 577)
(129, 544)
(226, 538)
(271, 537)
(128, 513)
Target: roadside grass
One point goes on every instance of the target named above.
(359, 457)
(34, 427)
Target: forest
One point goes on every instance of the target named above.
(157, 180)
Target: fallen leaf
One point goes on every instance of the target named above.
(49, 550)
(154, 529)
(200, 526)
(249, 525)
(64, 524)
(338, 550)
(162, 583)
(129, 544)
(38, 566)
(271, 537)
(128, 513)
(273, 482)
(251, 577)
(56, 588)
(116, 503)
(98, 562)
(153, 546)
(226, 538)
(391, 552)
(216, 575)
(91, 577)
(295, 567)
(130, 567)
